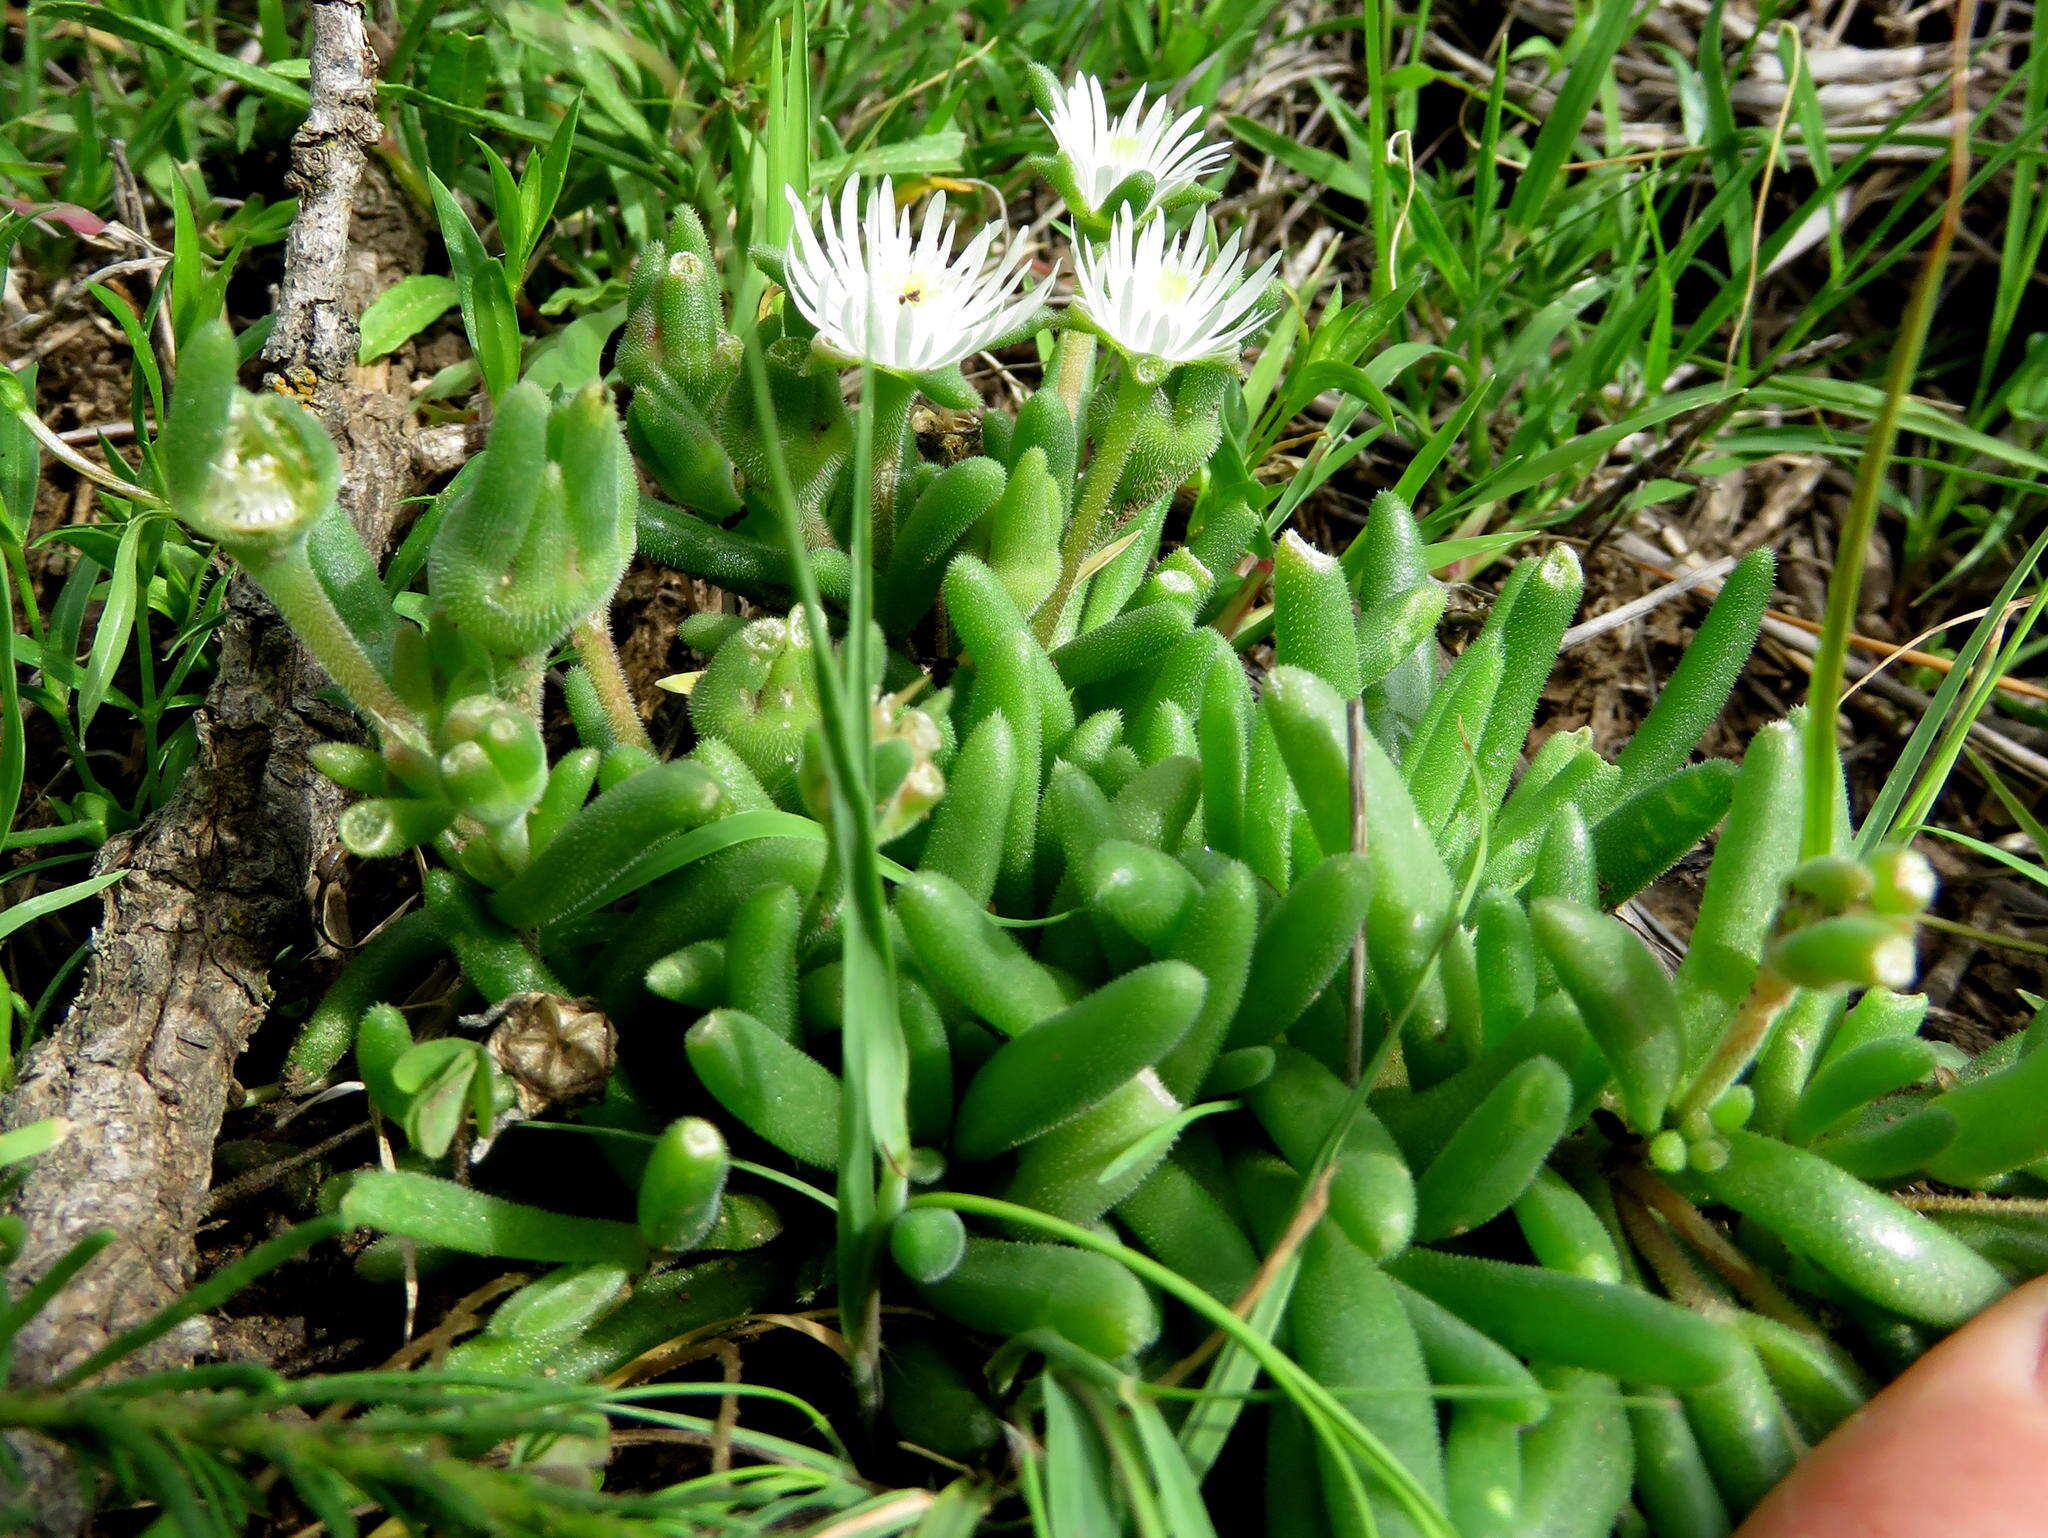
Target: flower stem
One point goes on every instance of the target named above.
(593, 638)
(1098, 486)
(1824, 691)
(1767, 997)
(892, 398)
(289, 581)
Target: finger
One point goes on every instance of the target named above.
(1957, 1446)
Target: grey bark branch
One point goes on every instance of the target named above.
(316, 330)
(219, 882)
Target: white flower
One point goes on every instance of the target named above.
(1172, 301)
(1103, 152)
(902, 301)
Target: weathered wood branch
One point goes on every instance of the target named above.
(218, 882)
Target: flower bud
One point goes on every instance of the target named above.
(906, 741)
(1857, 949)
(1733, 1110)
(1708, 1155)
(1668, 1152)
(1834, 882)
(1901, 882)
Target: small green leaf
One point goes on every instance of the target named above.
(403, 311)
(45, 903)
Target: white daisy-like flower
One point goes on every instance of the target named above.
(902, 300)
(1104, 151)
(1170, 301)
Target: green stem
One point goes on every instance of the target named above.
(892, 397)
(1824, 692)
(1098, 486)
(593, 638)
(1739, 1044)
(289, 581)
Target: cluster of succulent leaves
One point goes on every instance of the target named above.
(1294, 987)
